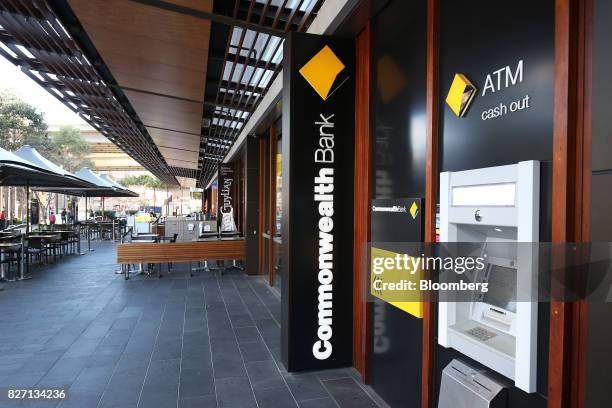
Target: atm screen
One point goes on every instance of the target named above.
(502, 288)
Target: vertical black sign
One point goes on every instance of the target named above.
(317, 225)
(225, 177)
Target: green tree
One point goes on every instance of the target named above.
(155, 184)
(145, 180)
(22, 124)
(71, 150)
(140, 180)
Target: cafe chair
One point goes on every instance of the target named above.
(172, 239)
(36, 249)
(11, 257)
(74, 239)
(206, 236)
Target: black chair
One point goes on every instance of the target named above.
(106, 231)
(171, 239)
(12, 256)
(36, 248)
(54, 246)
(74, 239)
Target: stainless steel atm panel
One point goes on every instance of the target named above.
(465, 387)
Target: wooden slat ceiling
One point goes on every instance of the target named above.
(159, 60)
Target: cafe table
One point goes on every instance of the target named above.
(51, 237)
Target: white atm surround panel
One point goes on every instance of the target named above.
(468, 215)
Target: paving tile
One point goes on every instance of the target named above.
(264, 374)
(121, 393)
(157, 399)
(247, 334)
(168, 348)
(41, 361)
(255, 351)
(227, 361)
(206, 401)
(347, 393)
(234, 392)
(92, 380)
(21, 379)
(305, 386)
(80, 400)
(162, 376)
(241, 320)
(318, 403)
(195, 383)
(200, 361)
(279, 397)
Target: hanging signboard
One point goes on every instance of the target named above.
(226, 198)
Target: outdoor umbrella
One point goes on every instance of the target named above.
(102, 188)
(118, 187)
(33, 156)
(17, 171)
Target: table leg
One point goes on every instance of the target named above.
(2, 269)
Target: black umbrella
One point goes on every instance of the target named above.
(33, 156)
(102, 188)
(16, 171)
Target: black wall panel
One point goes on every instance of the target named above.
(599, 343)
(478, 38)
(318, 161)
(399, 75)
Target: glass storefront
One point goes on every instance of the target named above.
(271, 201)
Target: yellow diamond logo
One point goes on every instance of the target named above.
(460, 95)
(414, 210)
(322, 70)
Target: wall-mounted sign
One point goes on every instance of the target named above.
(317, 199)
(395, 221)
(225, 205)
(462, 92)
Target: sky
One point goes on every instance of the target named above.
(56, 114)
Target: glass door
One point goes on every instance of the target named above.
(271, 205)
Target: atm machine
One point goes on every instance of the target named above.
(499, 208)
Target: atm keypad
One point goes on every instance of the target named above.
(481, 333)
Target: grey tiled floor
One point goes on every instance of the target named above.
(206, 341)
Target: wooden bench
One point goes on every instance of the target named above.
(137, 253)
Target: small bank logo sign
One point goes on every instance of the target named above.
(460, 95)
(322, 72)
(414, 210)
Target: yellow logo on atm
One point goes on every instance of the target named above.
(460, 95)
(322, 70)
(414, 210)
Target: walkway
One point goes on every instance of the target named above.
(206, 341)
